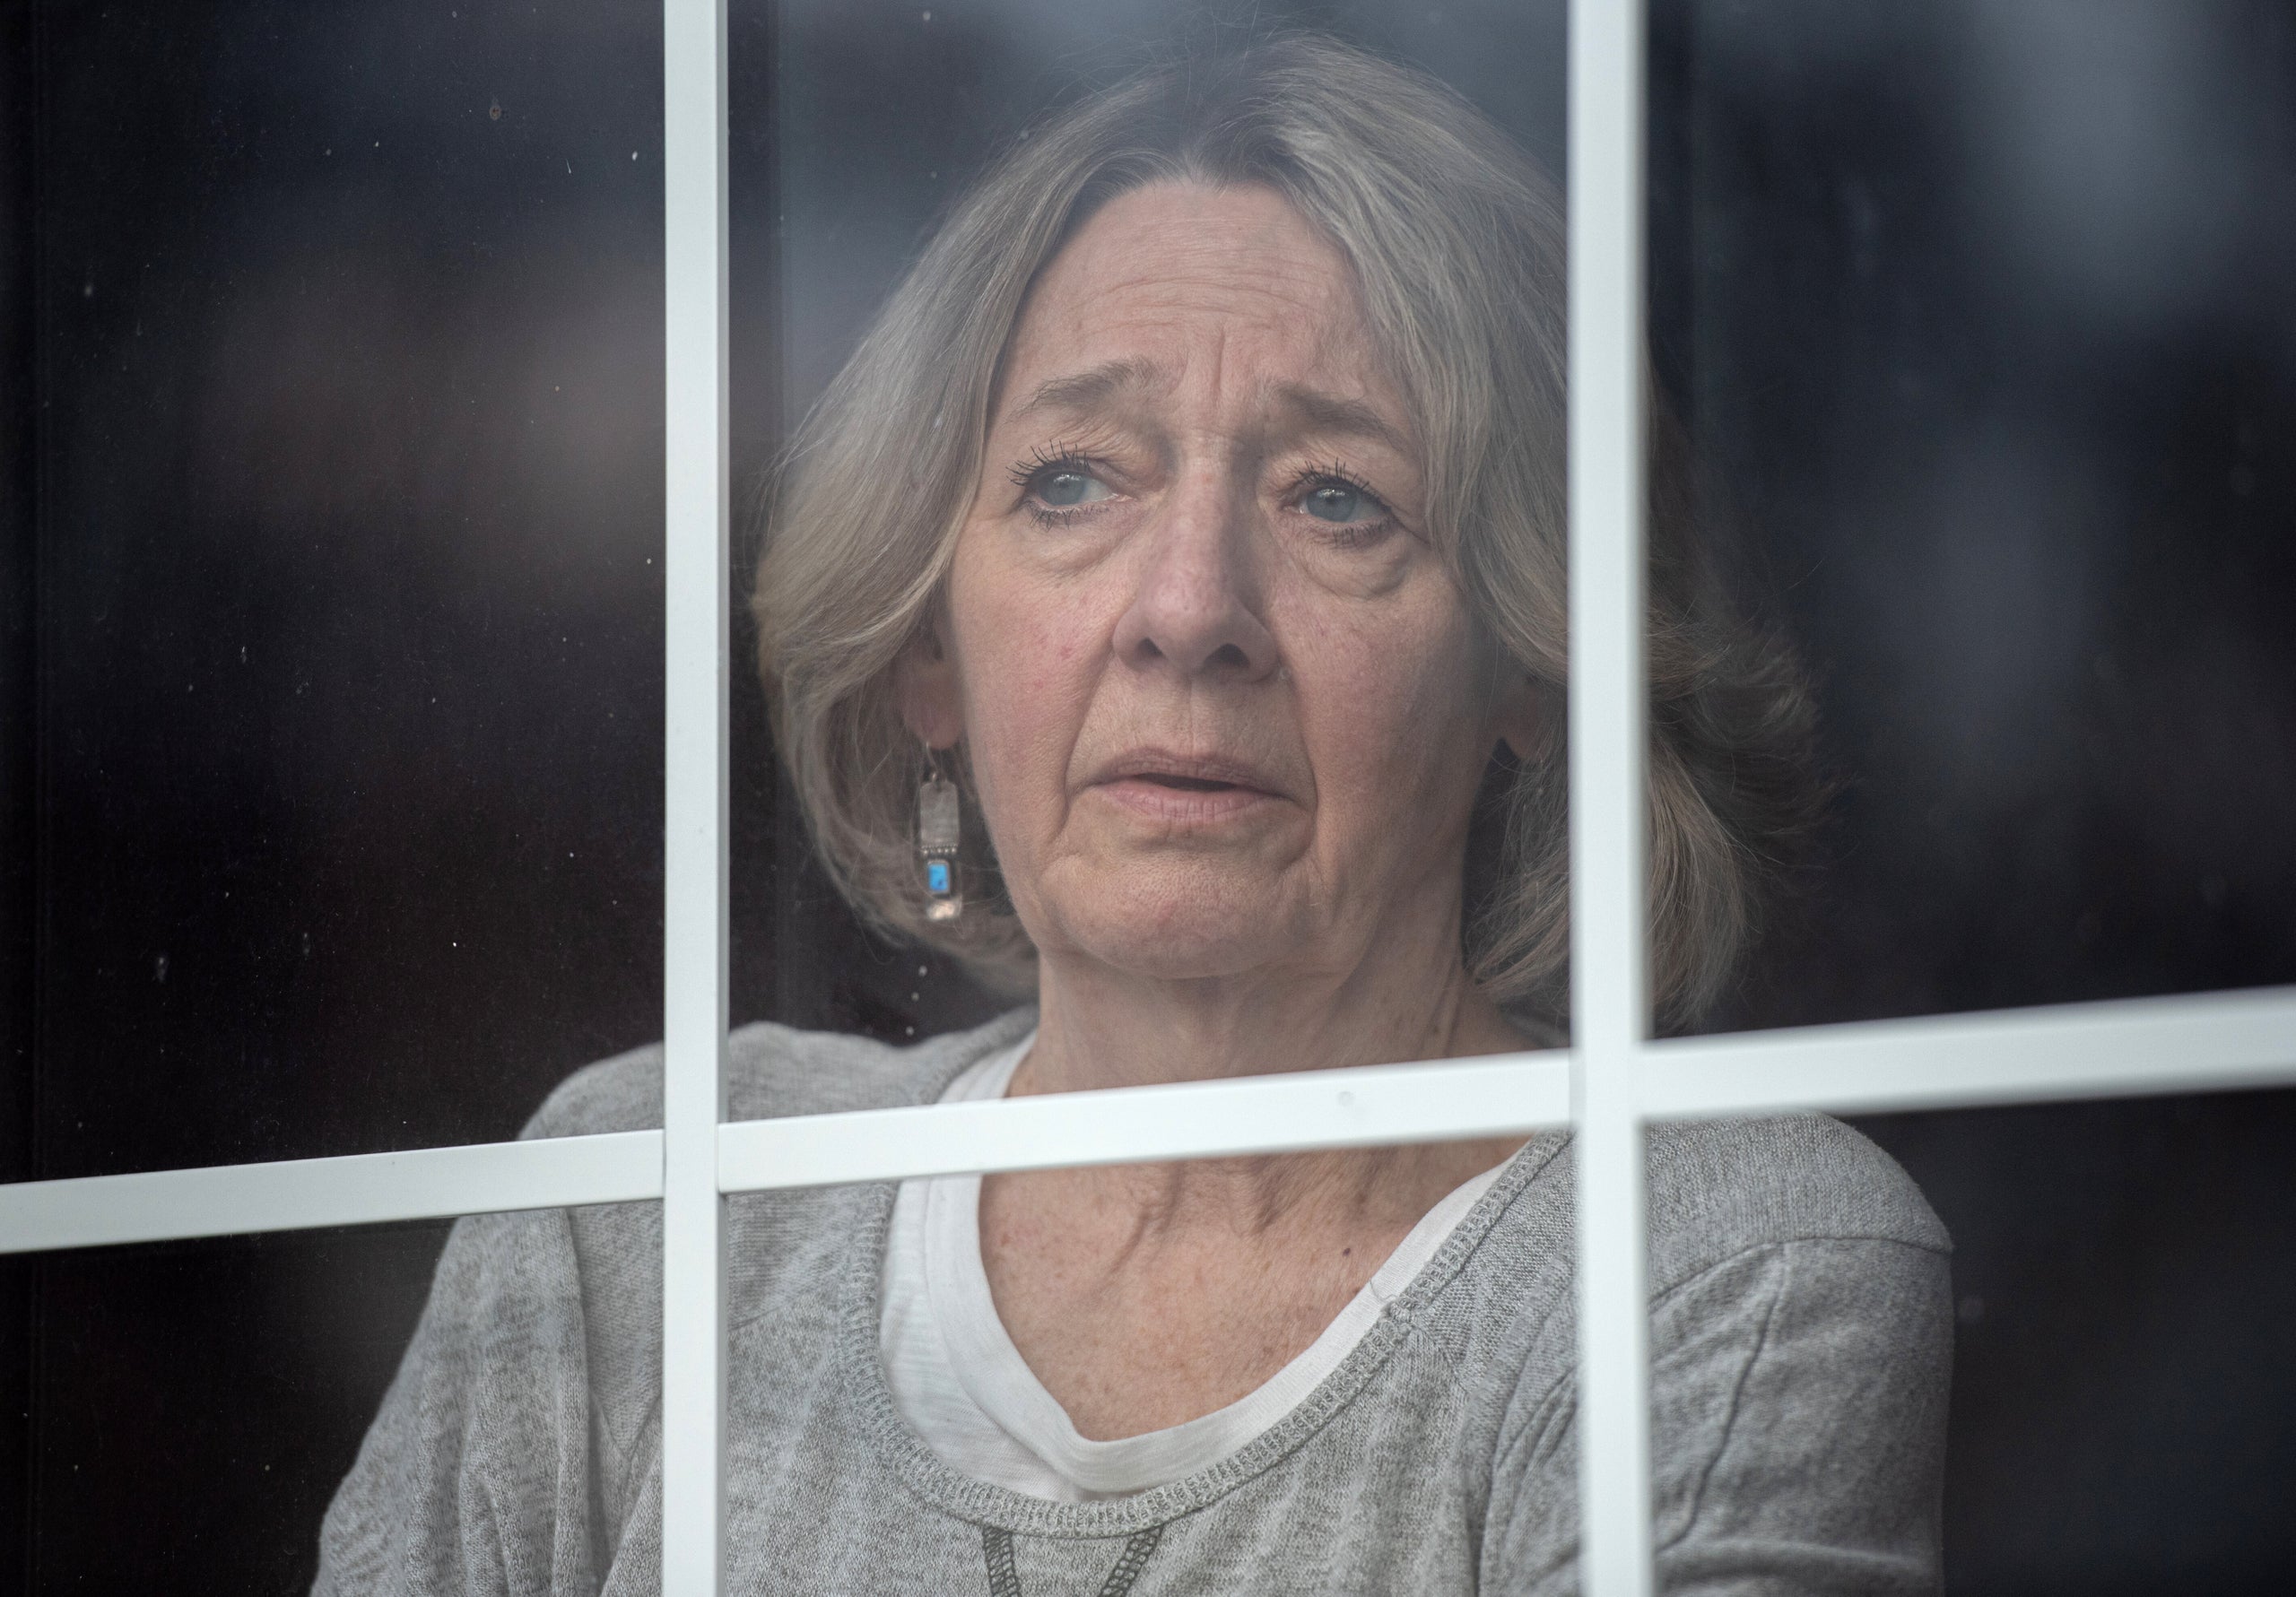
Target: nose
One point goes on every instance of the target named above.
(1195, 607)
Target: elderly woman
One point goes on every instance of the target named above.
(1163, 612)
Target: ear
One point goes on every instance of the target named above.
(1518, 717)
(925, 689)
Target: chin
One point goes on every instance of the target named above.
(1174, 959)
(1172, 933)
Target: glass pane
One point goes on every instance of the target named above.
(2121, 1295)
(210, 1394)
(857, 135)
(1209, 1374)
(1801, 1360)
(341, 481)
(1976, 318)
(2064, 1329)
(219, 1395)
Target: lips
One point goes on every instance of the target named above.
(1185, 790)
(1186, 772)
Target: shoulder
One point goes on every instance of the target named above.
(773, 1071)
(1720, 1188)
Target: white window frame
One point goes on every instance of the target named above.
(1612, 1079)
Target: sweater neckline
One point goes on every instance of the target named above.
(984, 1502)
(982, 1359)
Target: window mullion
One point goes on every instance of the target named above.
(1610, 1005)
(697, 559)
(352, 1189)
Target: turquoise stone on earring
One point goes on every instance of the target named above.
(939, 827)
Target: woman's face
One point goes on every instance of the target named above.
(1219, 694)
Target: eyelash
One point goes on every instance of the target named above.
(1044, 463)
(1350, 535)
(1041, 461)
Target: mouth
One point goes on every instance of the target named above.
(1187, 784)
(1173, 789)
(1186, 772)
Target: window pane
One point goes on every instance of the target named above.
(343, 482)
(2062, 1322)
(214, 1395)
(2120, 1290)
(209, 1394)
(1801, 1359)
(1985, 417)
(856, 136)
(1977, 318)
(1206, 1374)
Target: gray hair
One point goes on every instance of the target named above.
(1456, 239)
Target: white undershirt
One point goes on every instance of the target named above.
(958, 1379)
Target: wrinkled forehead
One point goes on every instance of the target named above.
(1227, 292)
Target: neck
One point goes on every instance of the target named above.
(1098, 1030)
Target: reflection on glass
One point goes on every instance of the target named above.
(2121, 1394)
(1161, 618)
(189, 1406)
(847, 153)
(346, 482)
(1985, 351)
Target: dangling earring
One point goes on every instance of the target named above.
(938, 830)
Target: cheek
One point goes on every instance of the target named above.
(1024, 659)
(1390, 710)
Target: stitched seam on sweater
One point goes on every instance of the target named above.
(1137, 1550)
(1004, 1577)
(996, 1552)
(977, 1502)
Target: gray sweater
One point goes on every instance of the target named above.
(1801, 1334)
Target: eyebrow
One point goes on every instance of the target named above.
(1350, 418)
(1310, 409)
(1086, 390)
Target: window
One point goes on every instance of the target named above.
(1616, 1080)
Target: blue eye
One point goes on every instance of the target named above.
(1341, 503)
(1065, 488)
(1061, 484)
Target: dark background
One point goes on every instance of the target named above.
(330, 651)
(1983, 317)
